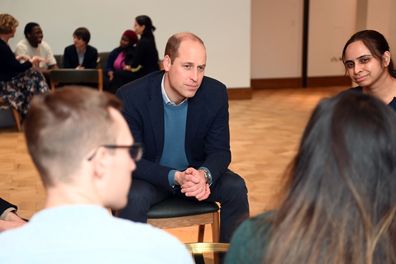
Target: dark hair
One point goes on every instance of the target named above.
(130, 48)
(341, 201)
(173, 43)
(29, 27)
(375, 42)
(131, 35)
(82, 33)
(62, 127)
(145, 21)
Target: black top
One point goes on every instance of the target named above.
(146, 55)
(70, 57)
(9, 66)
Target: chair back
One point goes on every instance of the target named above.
(73, 76)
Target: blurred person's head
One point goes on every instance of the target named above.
(78, 139)
(8, 25)
(340, 199)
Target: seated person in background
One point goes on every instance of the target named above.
(34, 45)
(18, 81)
(8, 217)
(80, 55)
(340, 199)
(85, 154)
(118, 64)
(368, 62)
(146, 53)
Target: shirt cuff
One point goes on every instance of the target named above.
(171, 178)
(6, 211)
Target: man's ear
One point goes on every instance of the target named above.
(386, 57)
(101, 162)
(167, 63)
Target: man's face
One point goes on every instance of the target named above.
(35, 37)
(184, 76)
(120, 165)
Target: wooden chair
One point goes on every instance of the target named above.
(176, 212)
(15, 114)
(73, 76)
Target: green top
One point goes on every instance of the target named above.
(249, 240)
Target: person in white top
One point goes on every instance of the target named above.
(84, 152)
(34, 45)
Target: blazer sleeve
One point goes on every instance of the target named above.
(4, 205)
(68, 58)
(90, 58)
(208, 123)
(110, 60)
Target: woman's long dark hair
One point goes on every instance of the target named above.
(341, 195)
(375, 42)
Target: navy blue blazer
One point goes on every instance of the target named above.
(207, 141)
(70, 57)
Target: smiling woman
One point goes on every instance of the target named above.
(368, 63)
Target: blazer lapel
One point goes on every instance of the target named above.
(196, 108)
(156, 112)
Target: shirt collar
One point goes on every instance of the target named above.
(165, 96)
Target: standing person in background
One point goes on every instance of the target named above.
(368, 62)
(145, 59)
(8, 217)
(80, 55)
(18, 81)
(119, 62)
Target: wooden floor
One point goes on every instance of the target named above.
(265, 132)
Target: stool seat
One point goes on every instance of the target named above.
(176, 207)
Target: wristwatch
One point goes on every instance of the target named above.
(207, 174)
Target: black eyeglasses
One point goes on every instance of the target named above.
(135, 150)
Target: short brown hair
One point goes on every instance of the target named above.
(63, 127)
(82, 33)
(173, 44)
(7, 23)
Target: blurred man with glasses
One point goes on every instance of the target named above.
(85, 154)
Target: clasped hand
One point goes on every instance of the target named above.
(193, 183)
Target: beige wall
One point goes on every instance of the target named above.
(277, 34)
(381, 17)
(226, 35)
(330, 25)
(248, 39)
(276, 38)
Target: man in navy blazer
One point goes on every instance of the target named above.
(181, 118)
